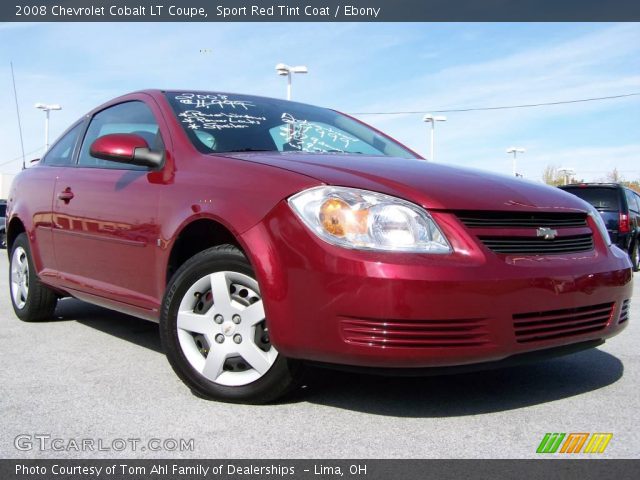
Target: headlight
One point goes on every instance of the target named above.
(360, 219)
(597, 218)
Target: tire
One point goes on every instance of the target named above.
(634, 254)
(220, 348)
(31, 300)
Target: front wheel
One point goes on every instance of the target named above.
(215, 334)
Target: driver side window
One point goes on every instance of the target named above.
(129, 117)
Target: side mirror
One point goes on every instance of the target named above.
(126, 148)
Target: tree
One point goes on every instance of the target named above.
(551, 176)
(614, 176)
(635, 185)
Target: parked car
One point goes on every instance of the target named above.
(619, 207)
(264, 235)
(3, 227)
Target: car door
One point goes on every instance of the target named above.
(39, 187)
(106, 228)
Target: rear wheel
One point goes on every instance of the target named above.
(31, 300)
(215, 333)
(635, 256)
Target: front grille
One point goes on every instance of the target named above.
(538, 245)
(480, 219)
(416, 333)
(624, 311)
(554, 324)
(496, 231)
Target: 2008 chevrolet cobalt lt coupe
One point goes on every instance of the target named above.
(263, 234)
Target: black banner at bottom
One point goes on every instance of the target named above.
(547, 469)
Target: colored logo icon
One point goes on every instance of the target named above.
(574, 442)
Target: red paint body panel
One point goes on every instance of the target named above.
(314, 287)
(29, 202)
(104, 238)
(110, 244)
(431, 185)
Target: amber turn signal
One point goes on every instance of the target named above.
(338, 218)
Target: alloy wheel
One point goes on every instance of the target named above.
(19, 277)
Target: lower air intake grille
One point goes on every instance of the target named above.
(416, 333)
(554, 324)
(624, 311)
(538, 245)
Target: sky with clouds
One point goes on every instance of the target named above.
(357, 68)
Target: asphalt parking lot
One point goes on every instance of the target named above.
(95, 374)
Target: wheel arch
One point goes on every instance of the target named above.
(197, 235)
(14, 228)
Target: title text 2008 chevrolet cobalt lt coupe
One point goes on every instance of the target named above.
(265, 234)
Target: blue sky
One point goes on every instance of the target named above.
(357, 68)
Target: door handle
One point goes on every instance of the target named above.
(66, 195)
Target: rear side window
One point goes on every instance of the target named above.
(631, 200)
(600, 197)
(130, 117)
(61, 154)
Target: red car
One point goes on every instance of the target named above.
(264, 234)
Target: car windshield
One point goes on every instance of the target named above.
(217, 123)
(602, 198)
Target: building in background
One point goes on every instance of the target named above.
(6, 179)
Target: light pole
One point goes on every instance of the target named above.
(429, 118)
(284, 69)
(47, 108)
(515, 151)
(566, 173)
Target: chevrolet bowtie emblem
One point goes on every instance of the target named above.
(547, 233)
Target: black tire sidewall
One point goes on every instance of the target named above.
(40, 302)
(21, 241)
(277, 381)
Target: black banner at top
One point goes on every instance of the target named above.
(320, 11)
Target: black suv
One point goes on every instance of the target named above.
(620, 209)
(3, 230)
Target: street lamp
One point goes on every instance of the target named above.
(47, 108)
(515, 151)
(566, 174)
(429, 118)
(284, 69)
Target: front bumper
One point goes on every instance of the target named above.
(396, 310)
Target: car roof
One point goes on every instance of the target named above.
(595, 184)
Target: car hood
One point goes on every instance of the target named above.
(432, 185)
